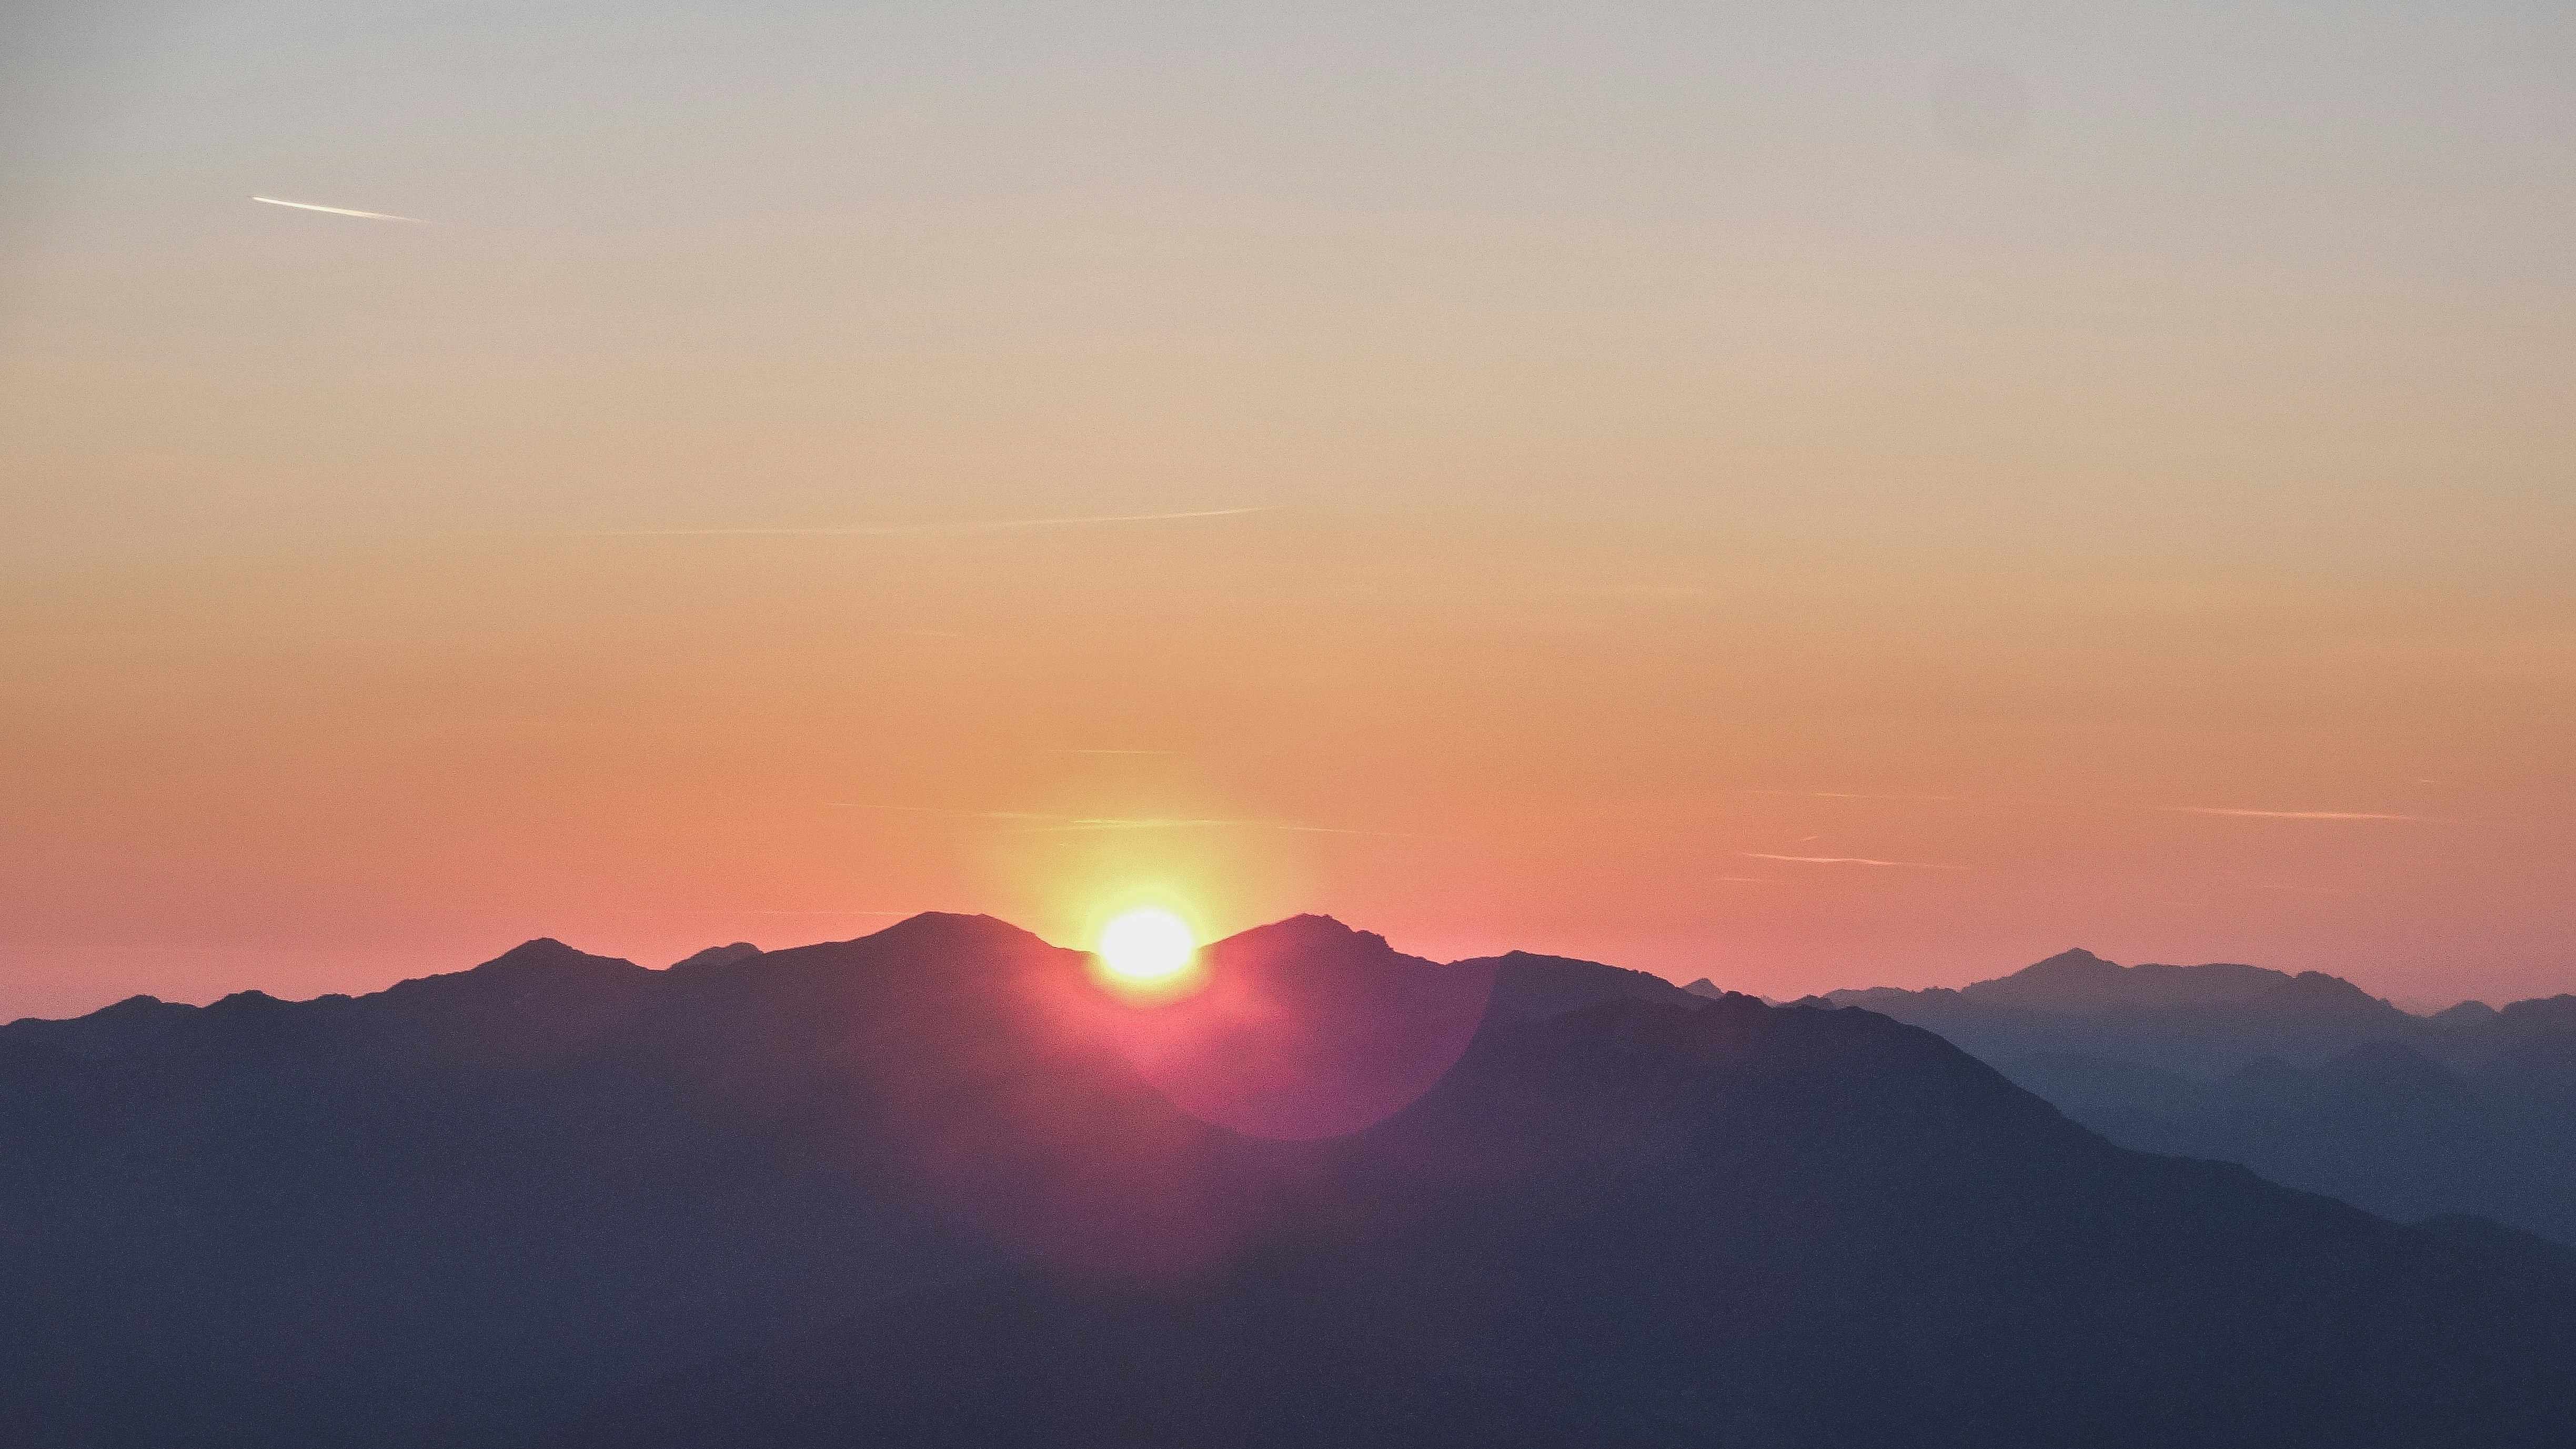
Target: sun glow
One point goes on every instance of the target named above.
(1147, 946)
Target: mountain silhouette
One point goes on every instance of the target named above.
(2305, 1078)
(924, 1188)
(2184, 1018)
(1304, 1029)
(718, 956)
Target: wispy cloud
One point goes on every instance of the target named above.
(2284, 814)
(946, 814)
(1846, 795)
(1156, 822)
(343, 211)
(907, 530)
(1659, 593)
(1112, 752)
(1042, 823)
(1847, 860)
(737, 911)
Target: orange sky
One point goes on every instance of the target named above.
(1672, 490)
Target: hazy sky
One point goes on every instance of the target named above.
(1810, 495)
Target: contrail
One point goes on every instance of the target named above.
(2285, 814)
(343, 211)
(897, 530)
(1846, 860)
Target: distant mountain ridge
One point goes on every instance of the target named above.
(2079, 981)
(2208, 1018)
(2306, 1078)
(935, 1186)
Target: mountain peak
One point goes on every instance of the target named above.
(543, 954)
(952, 930)
(2071, 980)
(253, 1006)
(715, 956)
(1305, 1028)
(1309, 931)
(2317, 988)
(544, 964)
(132, 1006)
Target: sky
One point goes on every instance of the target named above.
(1811, 496)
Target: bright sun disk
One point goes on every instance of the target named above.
(1147, 945)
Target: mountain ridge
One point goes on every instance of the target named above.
(2307, 1078)
(924, 1183)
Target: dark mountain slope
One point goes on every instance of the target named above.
(1740, 1227)
(2382, 1126)
(921, 1188)
(1533, 988)
(2307, 1079)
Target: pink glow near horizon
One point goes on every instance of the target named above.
(1625, 481)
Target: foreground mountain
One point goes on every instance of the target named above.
(2307, 1079)
(937, 1186)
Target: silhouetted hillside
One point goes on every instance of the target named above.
(2196, 1019)
(2306, 1079)
(924, 1188)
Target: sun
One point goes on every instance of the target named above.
(1147, 946)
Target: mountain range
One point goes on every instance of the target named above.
(939, 1186)
(2306, 1078)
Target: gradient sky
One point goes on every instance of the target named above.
(1812, 495)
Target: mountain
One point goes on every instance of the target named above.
(718, 956)
(939, 1186)
(2083, 982)
(2307, 1079)
(2199, 1019)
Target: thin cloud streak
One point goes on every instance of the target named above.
(344, 211)
(1112, 752)
(1847, 795)
(905, 530)
(1847, 860)
(1039, 823)
(946, 814)
(737, 911)
(2284, 814)
(1179, 823)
